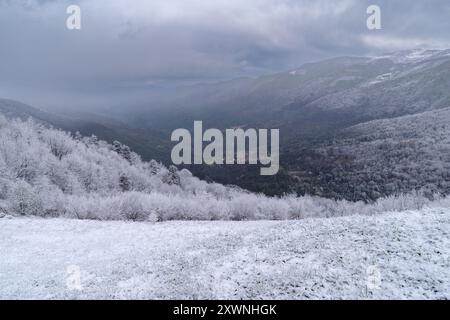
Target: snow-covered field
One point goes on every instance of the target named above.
(395, 255)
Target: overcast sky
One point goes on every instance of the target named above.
(128, 47)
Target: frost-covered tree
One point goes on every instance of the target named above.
(172, 177)
(154, 167)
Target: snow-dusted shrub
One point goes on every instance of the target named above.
(133, 206)
(273, 208)
(304, 207)
(4, 208)
(243, 207)
(23, 200)
(402, 202)
(93, 207)
(5, 185)
(218, 209)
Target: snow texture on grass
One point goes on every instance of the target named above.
(395, 255)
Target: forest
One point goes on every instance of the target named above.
(51, 173)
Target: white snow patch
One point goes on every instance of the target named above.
(299, 72)
(381, 78)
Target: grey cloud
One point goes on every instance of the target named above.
(126, 48)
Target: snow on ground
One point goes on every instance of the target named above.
(396, 255)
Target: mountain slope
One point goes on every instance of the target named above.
(313, 106)
(361, 89)
(382, 157)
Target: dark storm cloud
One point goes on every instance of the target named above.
(128, 46)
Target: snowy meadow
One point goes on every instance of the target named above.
(389, 256)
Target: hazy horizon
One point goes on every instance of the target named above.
(125, 52)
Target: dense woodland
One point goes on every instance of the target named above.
(380, 158)
(50, 173)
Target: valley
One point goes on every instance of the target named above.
(315, 107)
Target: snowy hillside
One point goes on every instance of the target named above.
(50, 173)
(395, 255)
(388, 156)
